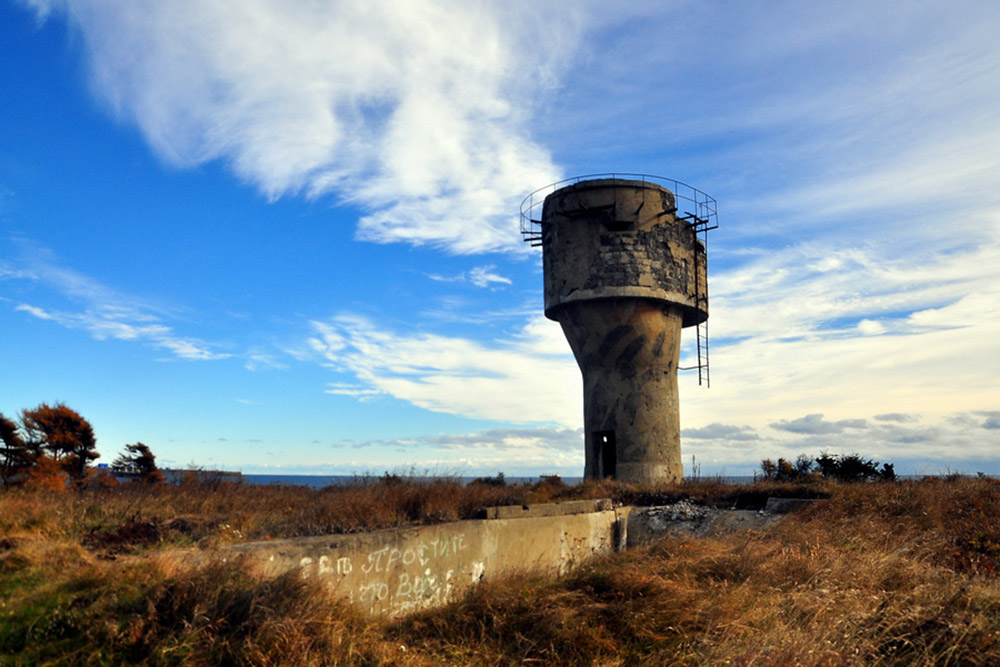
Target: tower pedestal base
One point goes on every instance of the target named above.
(627, 350)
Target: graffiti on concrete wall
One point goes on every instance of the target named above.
(401, 579)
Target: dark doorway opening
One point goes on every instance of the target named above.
(605, 453)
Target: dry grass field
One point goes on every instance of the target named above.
(879, 573)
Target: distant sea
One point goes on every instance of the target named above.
(320, 481)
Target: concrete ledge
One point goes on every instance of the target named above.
(547, 509)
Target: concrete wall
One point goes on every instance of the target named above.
(396, 572)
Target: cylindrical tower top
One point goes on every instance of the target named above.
(612, 238)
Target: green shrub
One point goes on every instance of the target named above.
(843, 468)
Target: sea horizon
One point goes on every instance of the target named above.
(320, 481)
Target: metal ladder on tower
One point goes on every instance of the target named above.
(701, 227)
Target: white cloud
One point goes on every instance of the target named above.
(992, 422)
(854, 149)
(517, 381)
(480, 276)
(518, 440)
(824, 290)
(484, 276)
(868, 327)
(415, 112)
(185, 348)
(794, 339)
(513, 451)
(719, 431)
(357, 391)
(788, 323)
(257, 360)
(103, 326)
(815, 424)
(437, 277)
(899, 417)
(954, 442)
(544, 440)
(803, 119)
(543, 336)
(40, 313)
(106, 313)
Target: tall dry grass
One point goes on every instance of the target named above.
(879, 574)
(63, 606)
(212, 514)
(893, 574)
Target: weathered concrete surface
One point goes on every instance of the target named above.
(622, 276)
(397, 572)
(650, 524)
(627, 351)
(614, 238)
(547, 509)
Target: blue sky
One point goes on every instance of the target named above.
(285, 238)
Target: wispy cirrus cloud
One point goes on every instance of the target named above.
(806, 134)
(360, 392)
(849, 333)
(104, 324)
(417, 113)
(859, 252)
(425, 115)
(826, 290)
(519, 440)
(513, 451)
(479, 276)
(484, 276)
(104, 313)
(523, 379)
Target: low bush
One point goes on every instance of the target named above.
(842, 468)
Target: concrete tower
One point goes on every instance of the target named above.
(624, 272)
